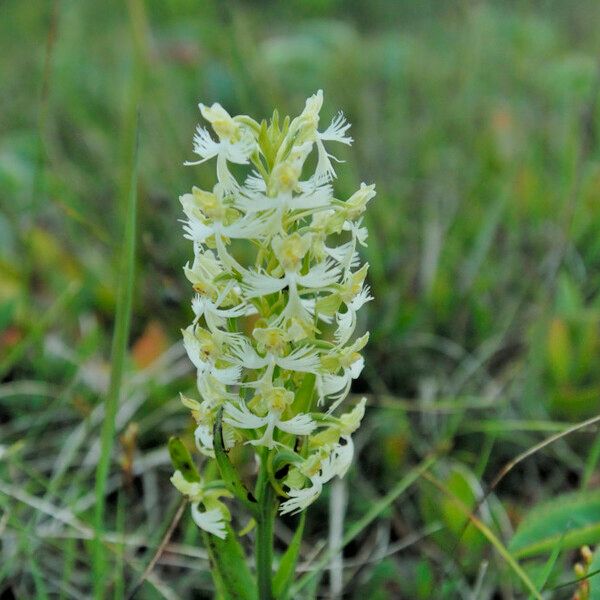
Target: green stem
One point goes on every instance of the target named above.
(264, 531)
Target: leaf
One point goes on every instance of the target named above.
(182, 460)
(228, 473)
(575, 516)
(568, 297)
(229, 567)
(559, 350)
(287, 567)
(424, 579)
(7, 313)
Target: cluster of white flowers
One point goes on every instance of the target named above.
(278, 284)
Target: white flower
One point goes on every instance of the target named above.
(336, 387)
(321, 276)
(355, 295)
(346, 322)
(236, 143)
(204, 355)
(205, 415)
(319, 469)
(213, 313)
(252, 201)
(301, 499)
(303, 359)
(242, 418)
(308, 122)
(336, 132)
(212, 519)
(209, 217)
(349, 362)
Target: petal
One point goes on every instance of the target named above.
(235, 311)
(255, 182)
(317, 198)
(197, 231)
(228, 375)
(242, 418)
(324, 171)
(252, 202)
(203, 437)
(321, 275)
(346, 324)
(192, 347)
(248, 227)
(301, 424)
(257, 284)
(239, 152)
(356, 367)
(336, 132)
(301, 499)
(204, 146)
(304, 359)
(343, 253)
(244, 354)
(210, 521)
(338, 461)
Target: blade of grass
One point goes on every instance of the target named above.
(119, 348)
(44, 98)
(119, 571)
(69, 553)
(40, 587)
(591, 462)
(377, 508)
(543, 579)
(574, 582)
(57, 310)
(65, 516)
(491, 537)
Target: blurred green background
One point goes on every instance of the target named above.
(477, 120)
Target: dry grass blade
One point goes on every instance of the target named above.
(159, 551)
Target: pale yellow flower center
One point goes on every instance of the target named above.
(285, 177)
(291, 250)
(209, 204)
(272, 339)
(279, 399)
(226, 129)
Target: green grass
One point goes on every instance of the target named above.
(479, 124)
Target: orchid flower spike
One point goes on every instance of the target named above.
(277, 288)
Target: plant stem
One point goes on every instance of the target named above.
(264, 531)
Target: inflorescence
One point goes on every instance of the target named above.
(278, 283)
